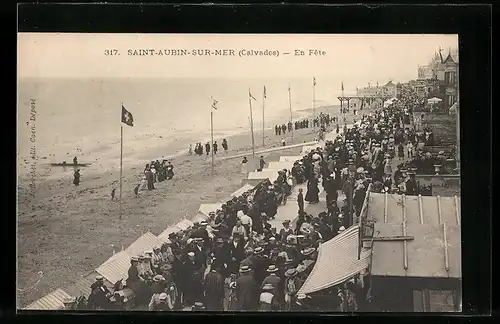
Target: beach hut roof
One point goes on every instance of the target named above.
(199, 218)
(290, 158)
(281, 165)
(270, 174)
(80, 288)
(116, 267)
(242, 190)
(206, 209)
(52, 301)
(143, 243)
(184, 224)
(164, 235)
(434, 223)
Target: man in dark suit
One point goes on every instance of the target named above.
(237, 252)
(275, 281)
(285, 231)
(246, 290)
(260, 264)
(214, 290)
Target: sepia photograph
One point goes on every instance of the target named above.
(238, 172)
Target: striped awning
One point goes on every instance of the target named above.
(337, 262)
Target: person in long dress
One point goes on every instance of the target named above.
(387, 165)
(244, 166)
(312, 195)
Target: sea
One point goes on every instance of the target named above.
(81, 117)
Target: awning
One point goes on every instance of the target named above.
(434, 100)
(337, 262)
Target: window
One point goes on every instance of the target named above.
(427, 300)
(449, 78)
(451, 100)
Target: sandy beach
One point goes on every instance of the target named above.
(68, 231)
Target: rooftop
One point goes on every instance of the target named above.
(434, 225)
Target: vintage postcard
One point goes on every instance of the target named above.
(238, 172)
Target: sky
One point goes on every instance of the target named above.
(350, 57)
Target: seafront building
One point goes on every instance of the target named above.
(439, 79)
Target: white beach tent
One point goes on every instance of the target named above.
(143, 243)
(254, 178)
(290, 158)
(307, 149)
(434, 100)
(337, 262)
(116, 267)
(199, 218)
(164, 235)
(388, 103)
(184, 224)
(206, 209)
(281, 165)
(51, 301)
(242, 190)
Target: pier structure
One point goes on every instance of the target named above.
(345, 100)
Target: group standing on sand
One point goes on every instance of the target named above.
(321, 120)
(199, 148)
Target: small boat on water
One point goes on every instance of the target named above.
(64, 164)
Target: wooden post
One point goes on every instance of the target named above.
(314, 104)
(251, 124)
(212, 138)
(290, 103)
(121, 166)
(263, 117)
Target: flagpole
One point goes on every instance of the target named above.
(251, 124)
(314, 104)
(263, 105)
(212, 137)
(290, 103)
(121, 165)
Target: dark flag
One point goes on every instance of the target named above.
(265, 94)
(214, 103)
(342, 86)
(314, 81)
(250, 94)
(127, 117)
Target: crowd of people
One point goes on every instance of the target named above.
(321, 119)
(235, 260)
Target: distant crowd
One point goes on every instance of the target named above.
(199, 149)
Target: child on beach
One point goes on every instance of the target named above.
(190, 149)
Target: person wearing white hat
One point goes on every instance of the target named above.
(341, 229)
(193, 270)
(275, 281)
(245, 289)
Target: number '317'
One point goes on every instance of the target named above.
(111, 52)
